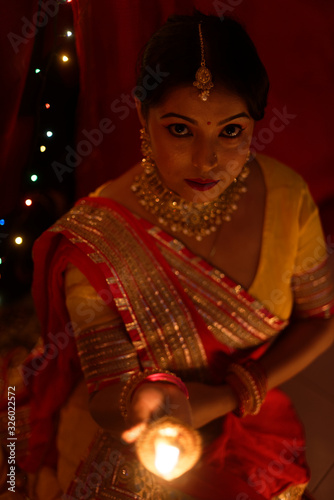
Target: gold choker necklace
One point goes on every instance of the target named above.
(179, 215)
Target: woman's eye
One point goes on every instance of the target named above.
(179, 129)
(232, 131)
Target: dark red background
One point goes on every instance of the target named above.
(294, 39)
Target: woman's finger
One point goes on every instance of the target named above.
(132, 434)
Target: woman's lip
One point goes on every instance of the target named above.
(202, 181)
(201, 184)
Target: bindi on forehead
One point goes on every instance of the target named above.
(209, 123)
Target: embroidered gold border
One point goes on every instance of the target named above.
(124, 477)
(292, 493)
(231, 320)
(314, 291)
(234, 318)
(106, 354)
(153, 313)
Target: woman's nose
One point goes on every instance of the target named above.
(204, 156)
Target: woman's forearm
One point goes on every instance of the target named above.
(209, 402)
(105, 409)
(300, 344)
(296, 347)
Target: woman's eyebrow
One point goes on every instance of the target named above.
(194, 122)
(239, 115)
(171, 115)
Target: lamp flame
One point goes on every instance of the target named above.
(168, 447)
(166, 457)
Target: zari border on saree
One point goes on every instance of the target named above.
(158, 288)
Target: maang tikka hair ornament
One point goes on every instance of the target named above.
(203, 76)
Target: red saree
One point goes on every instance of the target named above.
(173, 310)
(180, 314)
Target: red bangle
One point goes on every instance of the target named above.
(168, 377)
(149, 375)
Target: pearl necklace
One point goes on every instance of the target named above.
(190, 218)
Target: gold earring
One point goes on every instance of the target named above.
(146, 148)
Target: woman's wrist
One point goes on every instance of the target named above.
(229, 399)
(249, 383)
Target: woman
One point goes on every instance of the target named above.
(202, 261)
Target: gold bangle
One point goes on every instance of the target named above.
(254, 380)
(259, 376)
(127, 390)
(242, 393)
(251, 385)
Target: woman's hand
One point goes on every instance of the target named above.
(153, 400)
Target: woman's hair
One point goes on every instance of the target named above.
(173, 55)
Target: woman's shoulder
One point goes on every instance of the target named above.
(117, 189)
(287, 189)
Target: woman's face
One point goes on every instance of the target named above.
(199, 147)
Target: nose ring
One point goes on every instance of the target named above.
(212, 162)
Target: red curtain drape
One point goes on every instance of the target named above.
(16, 44)
(294, 39)
(109, 35)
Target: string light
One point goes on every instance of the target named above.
(19, 242)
